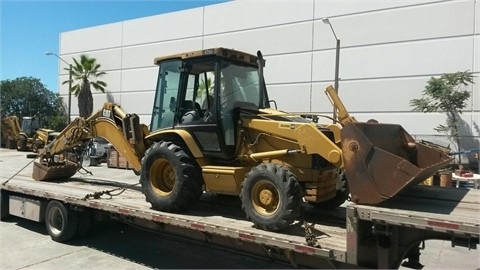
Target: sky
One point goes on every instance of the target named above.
(28, 29)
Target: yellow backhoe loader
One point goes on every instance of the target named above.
(31, 137)
(10, 131)
(28, 136)
(212, 129)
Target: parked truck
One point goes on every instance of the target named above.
(234, 143)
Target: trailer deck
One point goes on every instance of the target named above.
(448, 213)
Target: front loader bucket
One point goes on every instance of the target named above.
(44, 171)
(383, 159)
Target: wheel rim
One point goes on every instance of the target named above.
(265, 198)
(55, 221)
(162, 177)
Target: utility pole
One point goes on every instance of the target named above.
(337, 61)
(69, 83)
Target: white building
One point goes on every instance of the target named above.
(389, 50)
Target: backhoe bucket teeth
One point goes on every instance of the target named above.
(383, 159)
(45, 171)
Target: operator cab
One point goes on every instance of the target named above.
(202, 91)
(30, 125)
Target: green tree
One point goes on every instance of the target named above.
(28, 96)
(447, 94)
(85, 74)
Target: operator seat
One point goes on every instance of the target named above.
(191, 111)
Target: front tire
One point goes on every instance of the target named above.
(271, 197)
(171, 180)
(61, 222)
(37, 145)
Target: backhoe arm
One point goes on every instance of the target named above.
(122, 130)
(11, 126)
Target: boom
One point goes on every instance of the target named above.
(122, 130)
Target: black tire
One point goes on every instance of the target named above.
(271, 197)
(85, 222)
(171, 180)
(37, 145)
(4, 205)
(22, 143)
(95, 161)
(61, 223)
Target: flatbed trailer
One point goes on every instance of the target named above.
(353, 236)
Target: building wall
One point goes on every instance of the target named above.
(389, 49)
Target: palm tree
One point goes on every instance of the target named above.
(85, 73)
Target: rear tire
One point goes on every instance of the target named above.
(22, 143)
(271, 197)
(85, 222)
(61, 222)
(95, 161)
(4, 205)
(170, 178)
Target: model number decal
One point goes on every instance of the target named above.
(287, 126)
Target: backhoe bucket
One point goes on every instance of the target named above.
(45, 171)
(383, 159)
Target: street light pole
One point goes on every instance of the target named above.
(337, 60)
(69, 83)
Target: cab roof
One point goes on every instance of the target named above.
(220, 52)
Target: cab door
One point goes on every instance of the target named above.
(199, 108)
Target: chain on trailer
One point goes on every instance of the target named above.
(99, 194)
(310, 236)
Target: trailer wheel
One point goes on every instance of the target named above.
(271, 197)
(85, 222)
(170, 179)
(4, 205)
(61, 222)
(22, 143)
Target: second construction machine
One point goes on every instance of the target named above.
(212, 129)
(27, 137)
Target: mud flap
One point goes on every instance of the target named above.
(383, 159)
(45, 171)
